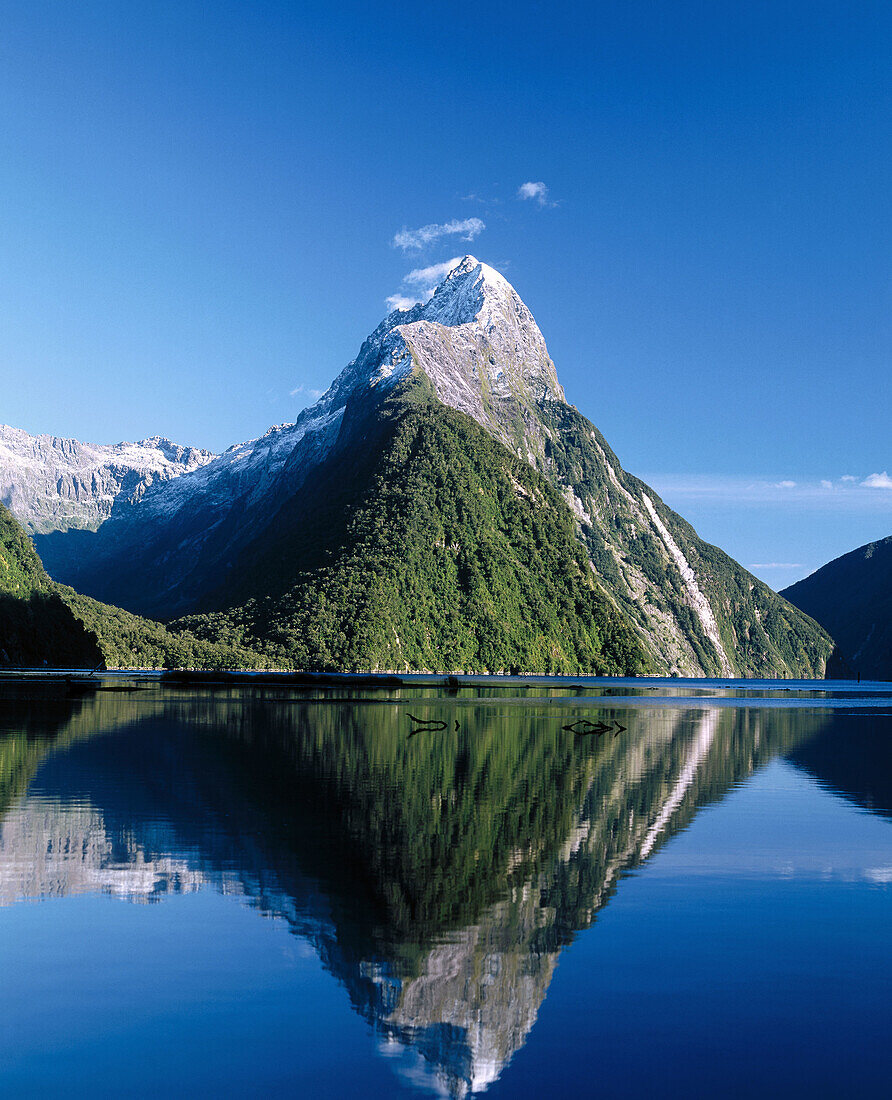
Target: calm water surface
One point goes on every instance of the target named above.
(255, 892)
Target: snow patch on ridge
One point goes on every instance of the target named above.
(246, 466)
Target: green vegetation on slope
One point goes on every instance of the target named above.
(129, 641)
(425, 545)
(36, 626)
(761, 633)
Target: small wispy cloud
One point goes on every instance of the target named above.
(420, 284)
(305, 391)
(836, 494)
(400, 301)
(490, 203)
(413, 240)
(536, 190)
(430, 276)
(776, 565)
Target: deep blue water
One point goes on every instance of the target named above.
(253, 892)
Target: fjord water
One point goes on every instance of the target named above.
(252, 891)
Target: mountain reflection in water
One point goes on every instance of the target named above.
(438, 876)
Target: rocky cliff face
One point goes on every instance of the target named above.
(53, 484)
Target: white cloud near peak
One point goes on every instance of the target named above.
(305, 391)
(413, 240)
(420, 284)
(878, 481)
(400, 301)
(430, 276)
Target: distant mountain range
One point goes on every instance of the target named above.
(54, 484)
(851, 597)
(441, 507)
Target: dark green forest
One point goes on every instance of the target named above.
(425, 545)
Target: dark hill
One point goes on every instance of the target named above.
(36, 626)
(43, 623)
(851, 597)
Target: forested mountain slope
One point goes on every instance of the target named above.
(425, 545)
(43, 623)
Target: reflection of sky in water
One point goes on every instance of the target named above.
(781, 823)
(747, 953)
(100, 998)
(750, 957)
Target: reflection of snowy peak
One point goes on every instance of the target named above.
(50, 850)
(276, 805)
(458, 1024)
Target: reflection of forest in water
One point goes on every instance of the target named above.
(438, 875)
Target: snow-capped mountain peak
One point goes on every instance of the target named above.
(476, 341)
(467, 293)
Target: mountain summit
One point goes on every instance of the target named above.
(476, 342)
(441, 506)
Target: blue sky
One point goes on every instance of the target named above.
(199, 203)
